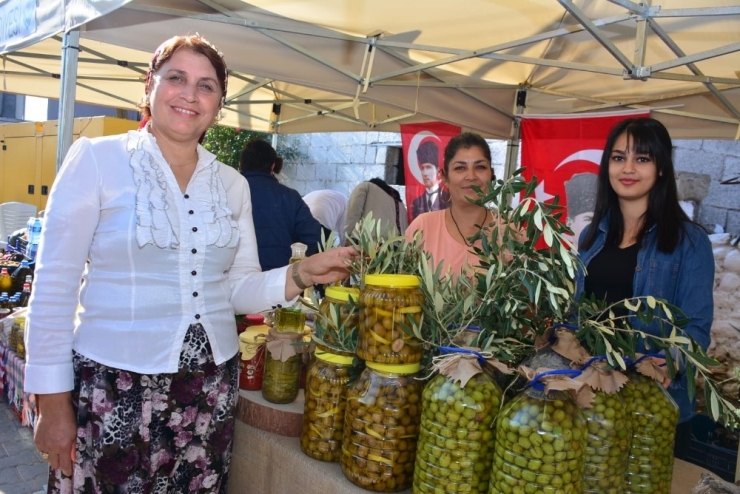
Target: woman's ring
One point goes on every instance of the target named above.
(44, 456)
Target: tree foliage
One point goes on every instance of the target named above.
(227, 144)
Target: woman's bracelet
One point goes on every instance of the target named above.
(296, 277)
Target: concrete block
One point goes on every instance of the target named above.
(319, 154)
(326, 171)
(722, 196)
(339, 154)
(710, 216)
(699, 161)
(687, 143)
(692, 186)
(321, 139)
(724, 146)
(731, 170)
(358, 154)
(352, 174)
(733, 222)
(305, 172)
(374, 171)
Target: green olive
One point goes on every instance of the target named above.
(609, 438)
(654, 416)
(540, 445)
(323, 415)
(446, 452)
(381, 427)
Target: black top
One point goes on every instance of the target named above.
(611, 273)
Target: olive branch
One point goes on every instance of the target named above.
(604, 329)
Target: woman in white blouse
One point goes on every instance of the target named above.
(137, 388)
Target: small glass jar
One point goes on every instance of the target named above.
(381, 427)
(282, 368)
(540, 444)
(337, 298)
(252, 360)
(289, 320)
(654, 417)
(388, 303)
(326, 400)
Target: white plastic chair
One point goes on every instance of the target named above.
(13, 216)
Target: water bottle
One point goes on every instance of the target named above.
(29, 228)
(33, 244)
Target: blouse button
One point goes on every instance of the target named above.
(195, 294)
(195, 228)
(191, 212)
(197, 316)
(638, 269)
(186, 196)
(194, 251)
(193, 273)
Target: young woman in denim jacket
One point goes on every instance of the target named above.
(642, 243)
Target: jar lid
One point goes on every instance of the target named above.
(250, 335)
(334, 358)
(342, 293)
(395, 368)
(393, 280)
(254, 319)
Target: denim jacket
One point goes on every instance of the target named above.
(684, 278)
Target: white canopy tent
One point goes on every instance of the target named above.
(370, 64)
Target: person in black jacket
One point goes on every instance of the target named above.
(280, 215)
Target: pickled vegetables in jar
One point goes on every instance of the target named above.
(341, 301)
(381, 427)
(540, 444)
(654, 417)
(455, 448)
(282, 371)
(326, 400)
(388, 303)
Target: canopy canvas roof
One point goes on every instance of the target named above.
(372, 64)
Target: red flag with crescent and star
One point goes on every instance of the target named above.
(423, 158)
(563, 153)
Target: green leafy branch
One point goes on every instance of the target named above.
(605, 329)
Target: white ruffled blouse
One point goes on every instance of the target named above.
(152, 261)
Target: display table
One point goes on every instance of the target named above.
(266, 463)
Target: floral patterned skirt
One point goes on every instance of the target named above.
(153, 433)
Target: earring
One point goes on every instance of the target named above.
(219, 116)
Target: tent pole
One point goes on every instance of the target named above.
(512, 148)
(70, 54)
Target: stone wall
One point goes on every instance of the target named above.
(725, 345)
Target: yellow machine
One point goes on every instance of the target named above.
(28, 155)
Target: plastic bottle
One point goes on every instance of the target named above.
(25, 295)
(20, 275)
(29, 227)
(6, 282)
(33, 243)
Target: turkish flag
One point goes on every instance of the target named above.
(423, 158)
(563, 153)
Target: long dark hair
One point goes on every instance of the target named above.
(646, 136)
(386, 188)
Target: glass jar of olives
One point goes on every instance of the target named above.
(388, 303)
(540, 444)
(654, 417)
(455, 448)
(282, 367)
(339, 313)
(381, 427)
(607, 445)
(326, 399)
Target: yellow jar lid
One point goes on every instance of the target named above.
(333, 358)
(393, 280)
(395, 368)
(342, 293)
(250, 334)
